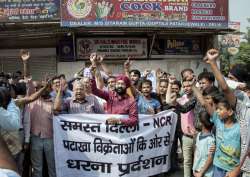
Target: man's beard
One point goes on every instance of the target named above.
(120, 90)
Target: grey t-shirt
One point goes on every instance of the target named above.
(243, 116)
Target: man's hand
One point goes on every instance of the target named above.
(159, 73)
(127, 64)
(198, 174)
(64, 84)
(93, 69)
(150, 110)
(173, 98)
(113, 121)
(193, 82)
(48, 83)
(24, 54)
(212, 149)
(234, 173)
(171, 79)
(93, 59)
(26, 146)
(100, 58)
(211, 56)
(146, 73)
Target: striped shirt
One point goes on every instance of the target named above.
(89, 105)
(41, 114)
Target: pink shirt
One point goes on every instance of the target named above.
(187, 119)
(41, 114)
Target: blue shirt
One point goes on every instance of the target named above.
(227, 154)
(66, 94)
(203, 144)
(8, 173)
(144, 105)
(10, 118)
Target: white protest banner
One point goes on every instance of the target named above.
(86, 146)
(115, 48)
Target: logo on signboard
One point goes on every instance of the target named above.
(79, 8)
(85, 47)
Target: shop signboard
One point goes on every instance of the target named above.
(177, 46)
(233, 39)
(29, 10)
(114, 48)
(145, 13)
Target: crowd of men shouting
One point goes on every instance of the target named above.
(212, 127)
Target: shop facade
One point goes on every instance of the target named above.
(63, 44)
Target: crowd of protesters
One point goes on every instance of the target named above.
(213, 113)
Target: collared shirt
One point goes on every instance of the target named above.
(26, 124)
(41, 114)
(118, 105)
(187, 119)
(10, 118)
(66, 94)
(89, 105)
(202, 146)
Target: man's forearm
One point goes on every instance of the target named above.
(26, 71)
(58, 101)
(222, 83)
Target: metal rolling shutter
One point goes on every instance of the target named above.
(42, 62)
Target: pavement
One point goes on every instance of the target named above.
(176, 174)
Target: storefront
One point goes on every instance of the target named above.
(170, 34)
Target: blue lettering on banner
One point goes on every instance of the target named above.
(136, 6)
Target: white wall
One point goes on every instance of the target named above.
(69, 68)
(173, 66)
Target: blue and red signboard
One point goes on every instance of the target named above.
(147, 13)
(29, 10)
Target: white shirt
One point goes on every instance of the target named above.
(10, 118)
(8, 173)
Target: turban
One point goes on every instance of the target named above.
(125, 79)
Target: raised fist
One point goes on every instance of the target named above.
(93, 58)
(171, 79)
(24, 54)
(127, 64)
(211, 56)
(100, 58)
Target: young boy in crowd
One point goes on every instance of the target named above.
(203, 159)
(228, 135)
(242, 111)
(227, 154)
(206, 80)
(146, 104)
